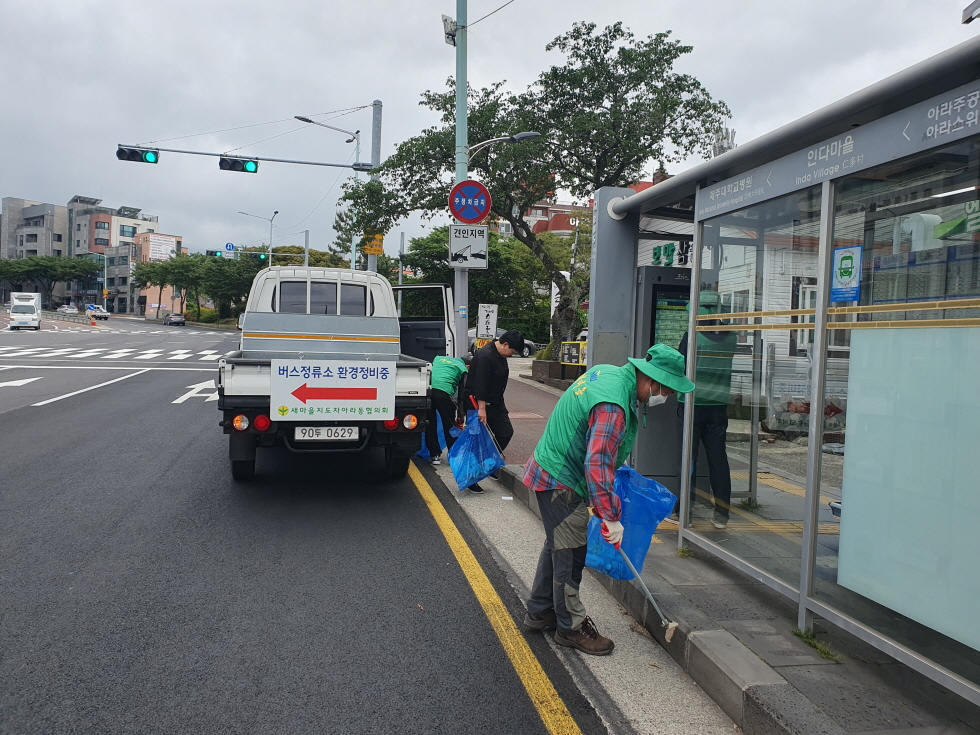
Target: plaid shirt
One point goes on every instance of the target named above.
(607, 425)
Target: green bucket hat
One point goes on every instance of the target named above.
(665, 365)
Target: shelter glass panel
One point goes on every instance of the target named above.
(898, 545)
(751, 406)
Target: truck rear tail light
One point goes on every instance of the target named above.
(262, 422)
(391, 424)
(410, 421)
(240, 422)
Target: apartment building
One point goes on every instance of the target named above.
(32, 228)
(94, 227)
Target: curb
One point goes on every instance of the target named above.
(757, 698)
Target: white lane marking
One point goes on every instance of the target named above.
(202, 369)
(86, 390)
(89, 353)
(209, 355)
(196, 391)
(148, 354)
(116, 354)
(63, 351)
(181, 355)
(25, 352)
(25, 381)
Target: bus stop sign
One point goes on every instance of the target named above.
(469, 202)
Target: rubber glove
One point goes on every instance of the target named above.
(612, 531)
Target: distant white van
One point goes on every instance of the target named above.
(25, 310)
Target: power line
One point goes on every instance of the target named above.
(470, 25)
(344, 111)
(342, 172)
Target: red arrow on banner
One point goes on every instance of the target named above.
(304, 394)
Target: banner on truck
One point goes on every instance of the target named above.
(331, 390)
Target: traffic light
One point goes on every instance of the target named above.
(214, 253)
(258, 256)
(247, 165)
(140, 155)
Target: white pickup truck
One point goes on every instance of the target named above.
(327, 365)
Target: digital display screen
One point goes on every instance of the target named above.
(671, 321)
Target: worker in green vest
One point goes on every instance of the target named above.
(715, 352)
(588, 436)
(447, 376)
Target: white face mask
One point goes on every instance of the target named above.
(656, 400)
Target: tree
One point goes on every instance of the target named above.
(614, 107)
(47, 271)
(186, 272)
(153, 273)
(227, 282)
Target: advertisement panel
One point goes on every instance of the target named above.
(161, 247)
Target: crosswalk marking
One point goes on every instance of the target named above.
(116, 354)
(148, 355)
(209, 355)
(89, 353)
(181, 355)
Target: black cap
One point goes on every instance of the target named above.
(514, 339)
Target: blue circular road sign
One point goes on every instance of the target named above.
(469, 202)
(229, 246)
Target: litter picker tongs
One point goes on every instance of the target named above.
(668, 626)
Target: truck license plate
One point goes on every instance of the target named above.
(326, 433)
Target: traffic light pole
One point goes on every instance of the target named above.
(461, 290)
(375, 162)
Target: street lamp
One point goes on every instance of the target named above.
(516, 138)
(355, 137)
(269, 220)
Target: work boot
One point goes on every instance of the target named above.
(546, 621)
(586, 639)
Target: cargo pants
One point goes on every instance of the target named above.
(565, 516)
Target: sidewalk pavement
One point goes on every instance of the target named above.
(639, 689)
(735, 635)
(735, 639)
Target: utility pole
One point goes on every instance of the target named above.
(375, 162)
(461, 285)
(306, 260)
(401, 271)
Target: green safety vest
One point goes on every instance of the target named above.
(713, 375)
(561, 450)
(446, 373)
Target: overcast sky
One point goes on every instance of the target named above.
(77, 77)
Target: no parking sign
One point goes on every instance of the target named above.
(469, 202)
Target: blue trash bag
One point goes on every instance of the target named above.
(645, 504)
(474, 456)
(455, 431)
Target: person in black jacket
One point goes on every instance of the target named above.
(487, 381)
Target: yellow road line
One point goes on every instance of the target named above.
(554, 714)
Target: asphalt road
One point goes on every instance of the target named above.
(143, 590)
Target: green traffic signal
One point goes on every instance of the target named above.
(140, 155)
(246, 165)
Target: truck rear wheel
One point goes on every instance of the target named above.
(396, 466)
(243, 469)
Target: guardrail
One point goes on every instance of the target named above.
(80, 318)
